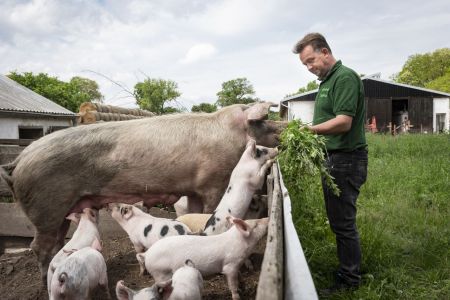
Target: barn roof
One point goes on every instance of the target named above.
(14, 97)
(373, 87)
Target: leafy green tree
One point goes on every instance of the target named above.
(171, 110)
(441, 83)
(429, 70)
(153, 94)
(236, 91)
(204, 107)
(312, 85)
(86, 89)
(67, 94)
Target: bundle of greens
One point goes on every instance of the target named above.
(302, 156)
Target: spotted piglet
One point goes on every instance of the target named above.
(247, 177)
(144, 229)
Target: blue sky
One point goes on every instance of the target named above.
(201, 44)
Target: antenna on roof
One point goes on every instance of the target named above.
(374, 75)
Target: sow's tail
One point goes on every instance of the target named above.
(5, 174)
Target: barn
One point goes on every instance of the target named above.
(388, 103)
(26, 116)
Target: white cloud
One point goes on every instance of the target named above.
(199, 52)
(200, 44)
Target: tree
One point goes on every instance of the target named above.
(67, 94)
(204, 107)
(86, 89)
(153, 94)
(171, 110)
(312, 85)
(235, 91)
(429, 70)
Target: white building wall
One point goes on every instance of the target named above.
(441, 106)
(9, 127)
(303, 110)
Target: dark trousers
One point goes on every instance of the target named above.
(350, 172)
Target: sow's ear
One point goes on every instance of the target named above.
(259, 111)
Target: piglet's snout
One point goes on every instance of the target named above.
(273, 152)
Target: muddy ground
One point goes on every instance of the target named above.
(20, 277)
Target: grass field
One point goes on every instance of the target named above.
(403, 220)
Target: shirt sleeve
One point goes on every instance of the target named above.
(346, 96)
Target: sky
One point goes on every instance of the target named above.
(201, 44)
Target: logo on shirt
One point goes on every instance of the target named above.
(324, 93)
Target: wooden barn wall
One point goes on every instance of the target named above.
(420, 112)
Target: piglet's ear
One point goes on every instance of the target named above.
(165, 288)
(122, 292)
(251, 147)
(74, 217)
(259, 111)
(189, 263)
(242, 226)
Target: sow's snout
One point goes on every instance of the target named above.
(266, 132)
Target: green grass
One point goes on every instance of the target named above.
(403, 220)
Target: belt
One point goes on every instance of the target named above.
(330, 152)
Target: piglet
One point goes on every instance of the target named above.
(144, 229)
(151, 293)
(223, 253)
(85, 234)
(185, 284)
(77, 276)
(247, 177)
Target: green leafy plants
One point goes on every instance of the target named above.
(302, 156)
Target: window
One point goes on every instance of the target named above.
(440, 123)
(30, 132)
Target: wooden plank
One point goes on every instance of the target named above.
(14, 223)
(270, 285)
(20, 142)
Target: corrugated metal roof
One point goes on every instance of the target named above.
(16, 97)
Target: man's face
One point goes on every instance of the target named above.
(315, 61)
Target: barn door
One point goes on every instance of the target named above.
(421, 114)
(382, 110)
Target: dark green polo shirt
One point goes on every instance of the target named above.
(341, 92)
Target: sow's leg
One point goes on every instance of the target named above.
(42, 246)
(61, 236)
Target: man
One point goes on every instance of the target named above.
(339, 115)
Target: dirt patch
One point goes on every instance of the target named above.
(20, 277)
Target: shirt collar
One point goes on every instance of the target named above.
(334, 68)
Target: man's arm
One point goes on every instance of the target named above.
(340, 124)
